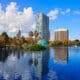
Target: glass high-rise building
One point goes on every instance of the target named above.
(61, 35)
(43, 26)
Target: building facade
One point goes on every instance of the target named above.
(43, 26)
(61, 35)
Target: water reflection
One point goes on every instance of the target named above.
(45, 59)
(20, 65)
(3, 55)
(47, 74)
(53, 64)
(39, 64)
(61, 55)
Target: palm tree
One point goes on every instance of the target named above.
(30, 39)
(36, 35)
(30, 34)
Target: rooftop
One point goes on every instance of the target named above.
(60, 30)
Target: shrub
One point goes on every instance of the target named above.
(56, 43)
(36, 47)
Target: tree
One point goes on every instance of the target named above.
(23, 40)
(36, 35)
(30, 34)
(6, 37)
(56, 43)
(76, 40)
(65, 43)
(30, 38)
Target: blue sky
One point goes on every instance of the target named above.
(62, 13)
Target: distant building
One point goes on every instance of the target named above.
(43, 26)
(18, 35)
(61, 35)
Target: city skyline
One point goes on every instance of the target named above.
(62, 14)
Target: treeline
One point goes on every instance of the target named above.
(64, 43)
(28, 43)
(33, 37)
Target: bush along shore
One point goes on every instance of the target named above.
(64, 43)
(36, 47)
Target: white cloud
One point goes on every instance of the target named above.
(77, 12)
(66, 11)
(53, 14)
(12, 18)
(34, 26)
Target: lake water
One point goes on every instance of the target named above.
(51, 64)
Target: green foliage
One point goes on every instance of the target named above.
(76, 40)
(6, 37)
(5, 34)
(64, 43)
(36, 47)
(56, 43)
(22, 40)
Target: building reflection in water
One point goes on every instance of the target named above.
(39, 64)
(20, 65)
(45, 60)
(61, 55)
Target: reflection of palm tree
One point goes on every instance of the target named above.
(3, 55)
(35, 62)
(30, 61)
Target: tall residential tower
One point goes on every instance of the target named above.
(61, 35)
(43, 26)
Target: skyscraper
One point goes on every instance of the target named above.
(61, 35)
(43, 26)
